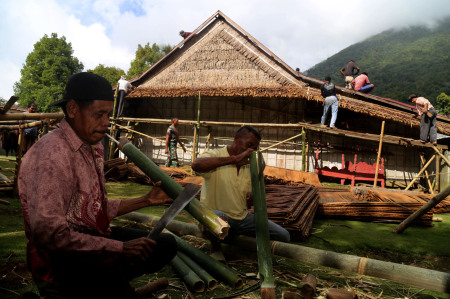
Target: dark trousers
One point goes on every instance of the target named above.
(122, 94)
(77, 277)
(428, 127)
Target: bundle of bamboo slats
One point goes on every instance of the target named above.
(292, 207)
(401, 197)
(373, 211)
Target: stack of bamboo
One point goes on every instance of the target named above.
(401, 197)
(373, 211)
(293, 207)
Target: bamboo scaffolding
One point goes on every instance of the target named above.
(379, 155)
(426, 175)
(281, 142)
(25, 125)
(31, 116)
(420, 172)
(148, 136)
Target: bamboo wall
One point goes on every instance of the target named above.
(401, 163)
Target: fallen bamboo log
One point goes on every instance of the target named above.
(188, 275)
(210, 282)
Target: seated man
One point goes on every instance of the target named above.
(72, 250)
(362, 83)
(227, 184)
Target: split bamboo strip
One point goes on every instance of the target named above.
(420, 172)
(420, 212)
(262, 227)
(210, 282)
(188, 275)
(214, 267)
(281, 142)
(426, 174)
(197, 209)
(379, 155)
(148, 136)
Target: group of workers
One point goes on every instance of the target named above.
(73, 251)
(425, 110)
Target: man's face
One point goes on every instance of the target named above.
(91, 122)
(32, 109)
(245, 141)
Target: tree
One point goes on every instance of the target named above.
(111, 73)
(2, 101)
(443, 103)
(145, 57)
(46, 71)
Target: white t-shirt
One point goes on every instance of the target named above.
(124, 85)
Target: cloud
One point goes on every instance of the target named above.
(301, 32)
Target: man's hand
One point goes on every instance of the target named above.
(166, 151)
(137, 250)
(243, 158)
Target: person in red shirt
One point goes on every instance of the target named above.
(362, 83)
(72, 250)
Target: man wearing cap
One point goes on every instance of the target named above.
(72, 250)
(426, 111)
(124, 88)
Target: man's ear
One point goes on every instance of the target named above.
(72, 108)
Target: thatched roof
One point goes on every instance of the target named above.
(221, 59)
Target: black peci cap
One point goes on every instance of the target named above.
(86, 86)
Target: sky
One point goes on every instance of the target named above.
(300, 32)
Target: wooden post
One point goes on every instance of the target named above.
(379, 155)
(420, 173)
(426, 175)
(112, 145)
(438, 175)
(303, 149)
(18, 160)
(425, 208)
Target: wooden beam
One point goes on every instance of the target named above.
(379, 155)
(421, 171)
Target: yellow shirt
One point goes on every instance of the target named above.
(224, 189)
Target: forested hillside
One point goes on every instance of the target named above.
(399, 62)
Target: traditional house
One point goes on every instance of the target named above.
(220, 77)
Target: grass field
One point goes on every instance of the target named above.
(419, 246)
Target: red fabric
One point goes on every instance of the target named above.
(65, 206)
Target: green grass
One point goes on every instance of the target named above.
(420, 246)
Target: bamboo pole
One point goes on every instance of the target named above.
(303, 149)
(438, 176)
(379, 155)
(112, 144)
(421, 171)
(262, 226)
(197, 209)
(426, 174)
(197, 128)
(281, 142)
(419, 213)
(145, 135)
(31, 116)
(214, 267)
(187, 274)
(24, 126)
(441, 155)
(210, 282)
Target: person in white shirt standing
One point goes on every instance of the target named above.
(124, 88)
(428, 115)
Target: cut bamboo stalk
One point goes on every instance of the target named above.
(210, 282)
(197, 209)
(309, 284)
(188, 275)
(425, 208)
(379, 155)
(426, 174)
(420, 172)
(262, 226)
(152, 287)
(214, 267)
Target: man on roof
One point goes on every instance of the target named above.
(328, 92)
(72, 250)
(348, 72)
(227, 184)
(428, 130)
(362, 83)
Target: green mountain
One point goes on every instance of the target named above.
(399, 62)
